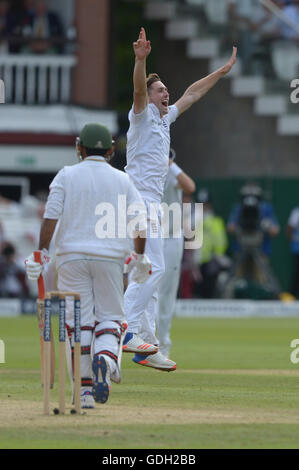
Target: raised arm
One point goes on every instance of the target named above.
(198, 89)
(142, 49)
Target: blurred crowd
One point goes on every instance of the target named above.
(30, 27)
(234, 260)
(254, 27)
(19, 234)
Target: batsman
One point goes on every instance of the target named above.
(90, 264)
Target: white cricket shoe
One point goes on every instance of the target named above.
(87, 400)
(156, 361)
(116, 375)
(133, 343)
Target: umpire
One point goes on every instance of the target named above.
(90, 263)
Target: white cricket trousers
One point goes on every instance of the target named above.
(141, 300)
(168, 287)
(100, 285)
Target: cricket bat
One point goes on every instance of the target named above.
(40, 317)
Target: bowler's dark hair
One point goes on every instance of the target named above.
(152, 78)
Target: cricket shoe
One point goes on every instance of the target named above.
(101, 386)
(116, 375)
(133, 343)
(156, 361)
(87, 400)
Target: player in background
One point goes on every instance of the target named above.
(89, 263)
(148, 144)
(177, 183)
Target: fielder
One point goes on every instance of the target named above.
(148, 143)
(90, 262)
(177, 182)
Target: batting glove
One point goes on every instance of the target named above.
(140, 266)
(34, 269)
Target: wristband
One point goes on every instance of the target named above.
(175, 169)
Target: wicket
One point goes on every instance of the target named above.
(62, 350)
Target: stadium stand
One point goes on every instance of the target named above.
(206, 27)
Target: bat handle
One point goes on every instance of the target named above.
(40, 281)
(37, 257)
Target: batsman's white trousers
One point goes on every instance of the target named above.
(100, 285)
(168, 287)
(141, 300)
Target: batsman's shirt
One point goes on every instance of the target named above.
(148, 142)
(91, 199)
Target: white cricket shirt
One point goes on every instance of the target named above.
(81, 197)
(148, 142)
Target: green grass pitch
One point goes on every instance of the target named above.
(235, 387)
